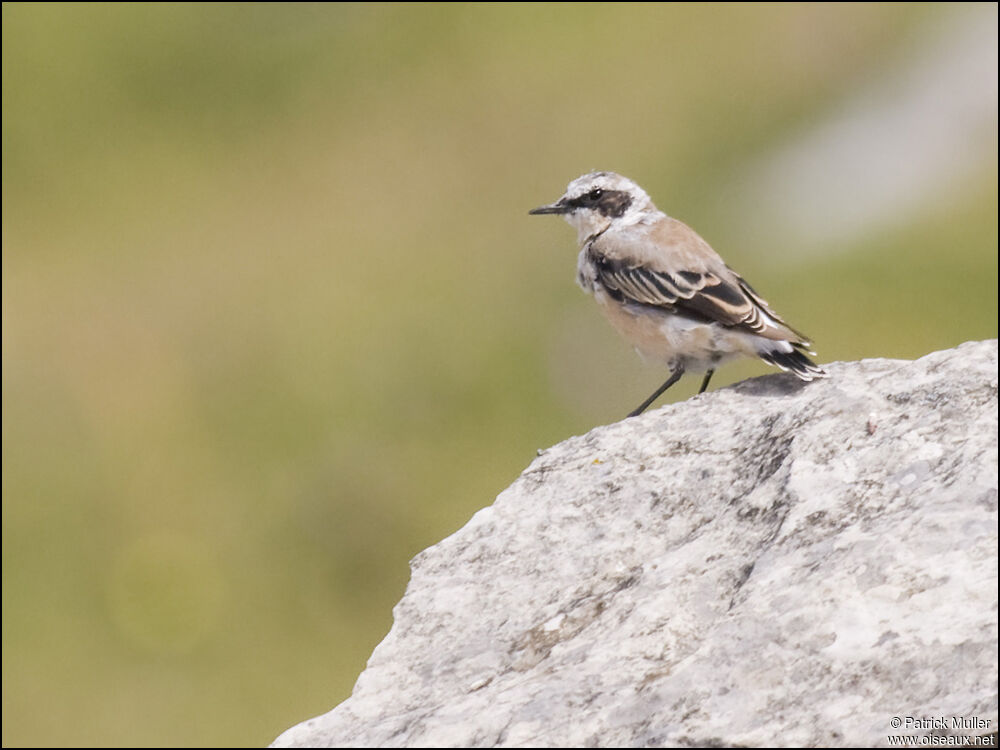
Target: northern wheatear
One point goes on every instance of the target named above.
(666, 290)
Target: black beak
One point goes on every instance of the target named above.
(559, 207)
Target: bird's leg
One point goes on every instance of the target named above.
(674, 377)
(704, 383)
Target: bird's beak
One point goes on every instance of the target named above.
(559, 207)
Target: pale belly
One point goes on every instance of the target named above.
(673, 340)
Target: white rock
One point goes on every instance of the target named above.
(771, 564)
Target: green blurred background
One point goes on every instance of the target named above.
(275, 317)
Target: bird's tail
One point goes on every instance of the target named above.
(795, 362)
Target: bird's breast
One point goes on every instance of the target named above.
(586, 273)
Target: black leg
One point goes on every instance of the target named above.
(704, 383)
(674, 377)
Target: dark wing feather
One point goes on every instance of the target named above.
(702, 295)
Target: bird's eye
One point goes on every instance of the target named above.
(595, 194)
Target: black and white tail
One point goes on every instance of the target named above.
(795, 362)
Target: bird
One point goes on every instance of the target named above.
(666, 291)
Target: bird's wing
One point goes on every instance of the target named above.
(697, 283)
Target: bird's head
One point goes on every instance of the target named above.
(595, 201)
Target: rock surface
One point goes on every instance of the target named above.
(771, 564)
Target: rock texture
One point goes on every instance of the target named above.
(771, 564)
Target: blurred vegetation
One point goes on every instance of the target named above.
(275, 318)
